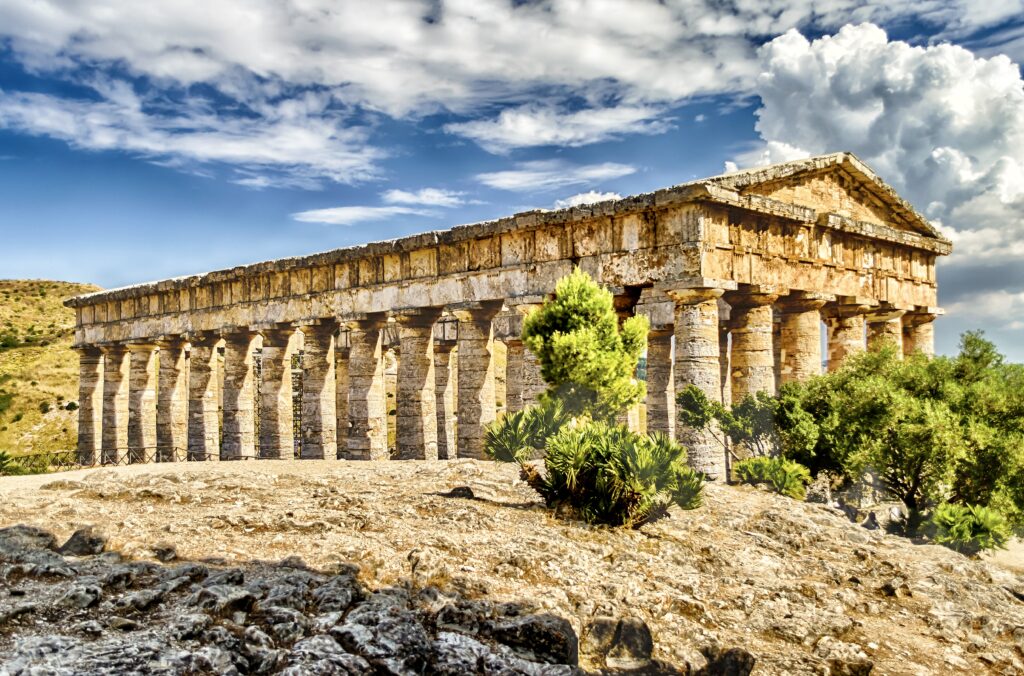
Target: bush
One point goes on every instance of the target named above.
(44, 407)
(607, 474)
(9, 466)
(522, 435)
(781, 475)
(586, 358)
(970, 529)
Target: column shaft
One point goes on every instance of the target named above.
(239, 432)
(277, 430)
(142, 403)
(801, 340)
(661, 397)
(752, 358)
(476, 404)
(533, 381)
(444, 395)
(203, 413)
(886, 330)
(116, 368)
(514, 353)
(919, 333)
(416, 423)
(367, 435)
(341, 388)
(172, 403)
(845, 339)
(319, 394)
(724, 366)
(90, 405)
(697, 363)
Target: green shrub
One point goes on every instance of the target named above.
(586, 358)
(44, 407)
(522, 435)
(970, 529)
(606, 474)
(781, 475)
(9, 466)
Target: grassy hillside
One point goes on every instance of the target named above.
(38, 370)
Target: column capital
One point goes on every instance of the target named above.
(476, 311)
(690, 295)
(422, 317)
(142, 345)
(695, 284)
(88, 351)
(363, 321)
(170, 340)
(746, 299)
(803, 301)
(922, 316)
(845, 307)
(329, 324)
(112, 347)
(884, 314)
(201, 337)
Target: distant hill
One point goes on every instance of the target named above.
(38, 370)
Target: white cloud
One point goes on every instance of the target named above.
(623, 61)
(541, 175)
(533, 125)
(434, 197)
(589, 197)
(305, 146)
(353, 215)
(944, 126)
(998, 306)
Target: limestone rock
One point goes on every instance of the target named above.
(84, 542)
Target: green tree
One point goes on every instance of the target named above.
(587, 359)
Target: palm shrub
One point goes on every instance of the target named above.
(522, 435)
(606, 474)
(970, 529)
(783, 476)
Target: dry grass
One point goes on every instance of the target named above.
(38, 370)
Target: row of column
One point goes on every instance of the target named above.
(766, 340)
(170, 399)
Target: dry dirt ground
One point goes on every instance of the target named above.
(795, 584)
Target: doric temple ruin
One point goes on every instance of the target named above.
(284, 359)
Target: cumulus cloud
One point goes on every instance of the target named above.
(589, 197)
(561, 72)
(944, 126)
(353, 215)
(542, 175)
(532, 125)
(434, 197)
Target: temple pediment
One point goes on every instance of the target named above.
(838, 184)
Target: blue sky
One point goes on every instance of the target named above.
(146, 140)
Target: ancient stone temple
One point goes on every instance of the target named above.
(738, 273)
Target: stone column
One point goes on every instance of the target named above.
(319, 394)
(514, 354)
(752, 357)
(90, 404)
(416, 414)
(845, 333)
(172, 402)
(444, 395)
(724, 366)
(367, 435)
(116, 373)
(142, 402)
(801, 336)
(697, 363)
(476, 376)
(239, 396)
(203, 383)
(533, 381)
(341, 388)
(277, 431)
(886, 328)
(919, 333)
(661, 390)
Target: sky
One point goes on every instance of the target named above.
(140, 141)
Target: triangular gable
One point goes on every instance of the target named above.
(838, 183)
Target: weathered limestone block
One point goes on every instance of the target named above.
(661, 390)
(416, 421)
(172, 402)
(886, 328)
(846, 336)
(319, 394)
(277, 435)
(752, 357)
(801, 336)
(697, 363)
(514, 350)
(143, 363)
(203, 414)
(116, 368)
(367, 435)
(444, 395)
(90, 404)
(919, 333)
(341, 389)
(476, 404)
(239, 397)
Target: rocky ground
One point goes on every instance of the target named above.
(454, 567)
